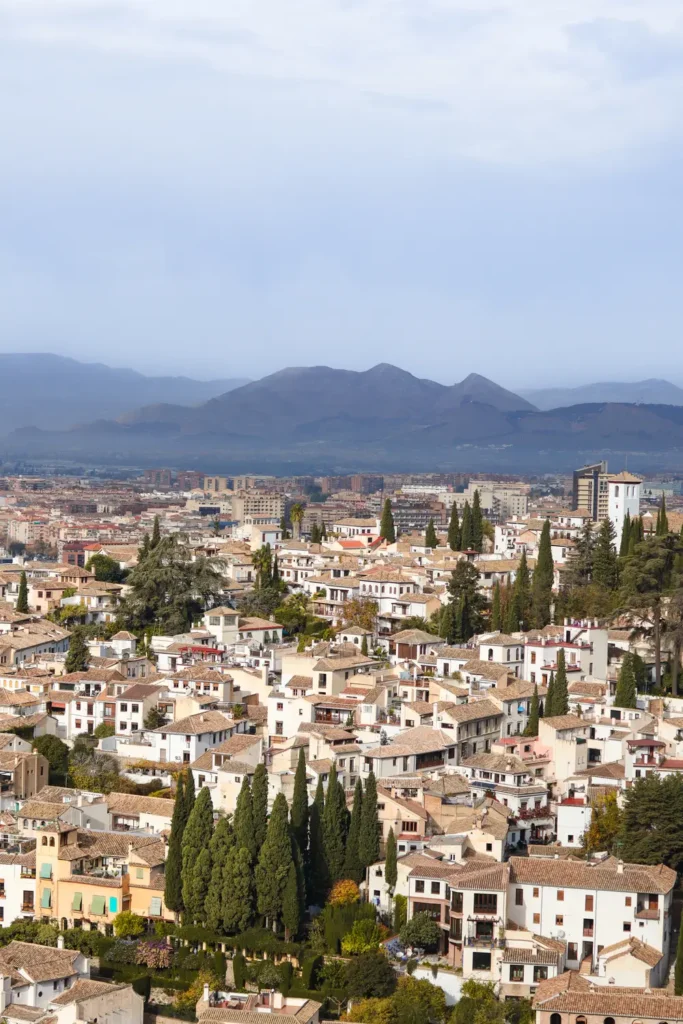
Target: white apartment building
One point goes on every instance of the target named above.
(623, 497)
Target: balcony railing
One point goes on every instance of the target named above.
(490, 941)
(588, 933)
(647, 913)
(534, 812)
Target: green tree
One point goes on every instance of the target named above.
(605, 568)
(173, 884)
(274, 862)
(245, 835)
(103, 730)
(605, 825)
(477, 523)
(561, 697)
(189, 794)
(387, 529)
(196, 856)
(422, 931)
(454, 529)
(466, 538)
(259, 804)
(364, 646)
(522, 594)
(154, 719)
(291, 906)
(370, 975)
(222, 842)
(352, 866)
(496, 617)
(534, 715)
(368, 839)
(467, 603)
(262, 561)
(299, 809)
(646, 580)
(106, 569)
(78, 655)
(334, 827)
(296, 515)
(625, 535)
(317, 881)
(626, 694)
(22, 596)
(390, 868)
(678, 971)
(156, 534)
(418, 1001)
(580, 562)
(57, 754)
(662, 519)
(128, 925)
(549, 703)
(238, 890)
(431, 540)
(652, 822)
(542, 583)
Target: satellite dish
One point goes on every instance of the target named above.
(561, 934)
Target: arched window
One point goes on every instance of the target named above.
(608, 1020)
(555, 1018)
(52, 840)
(616, 491)
(44, 840)
(580, 1020)
(490, 653)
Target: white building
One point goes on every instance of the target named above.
(623, 496)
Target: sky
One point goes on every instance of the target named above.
(226, 188)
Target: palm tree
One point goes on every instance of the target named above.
(262, 562)
(296, 515)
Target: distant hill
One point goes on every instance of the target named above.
(647, 392)
(54, 393)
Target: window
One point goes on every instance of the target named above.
(589, 904)
(481, 961)
(536, 891)
(408, 826)
(419, 885)
(555, 1018)
(135, 708)
(627, 926)
(608, 1020)
(519, 897)
(516, 972)
(627, 901)
(124, 707)
(77, 723)
(559, 920)
(489, 847)
(570, 839)
(560, 895)
(572, 951)
(540, 973)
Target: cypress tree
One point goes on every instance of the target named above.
(496, 618)
(549, 705)
(466, 528)
(678, 972)
(334, 827)
(222, 842)
(189, 797)
(238, 890)
(662, 519)
(156, 534)
(323, 532)
(542, 584)
(144, 549)
(364, 646)
(259, 804)
(511, 618)
(317, 884)
(626, 692)
(605, 557)
(534, 715)
(561, 699)
(274, 863)
(431, 540)
(454, 529)
(352, 865)
(390, 869)
(625, 535)
(477, 523)
(299, 809)
(522, 594)
(275, 574)
(245, 836)
(173, 885)
(78, 654)
(387, 529)
(291, 907)
(196, 856)
(22, 596)
(368, 842)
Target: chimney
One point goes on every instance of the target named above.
(620, 867)
(60, 942)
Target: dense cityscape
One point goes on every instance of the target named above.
(395, 749)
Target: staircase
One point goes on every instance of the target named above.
(586, 965)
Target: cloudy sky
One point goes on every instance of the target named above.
(226, 187)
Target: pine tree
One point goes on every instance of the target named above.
(549, 703)
(222, 842)
(534, 715)
(238, 890)
(678, 971)
(542, 584)
(299, 809)
(477, 523)
(522, 594)
(364, 646)
(386, 527)
(390, 868)
(196, 855)
(22, 596)
(662, 519)
(317, 884)
(626, 693)
(352, 865)
(334, 829)
(259, 804)
(245, 836)
(291, 907)
(368, 842)
(496, 619)
(625, 535)
(454, 529)
(274, 862)
(431, 540)
(156, 534)
(78, 655)
(605, 557)
(173, 885)
(466, 528)
(561, 698)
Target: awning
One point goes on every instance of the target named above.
(46, 870)
(77, 901)
(97, 905)
(155, 907)
(46, 899)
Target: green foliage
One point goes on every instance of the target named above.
(390, 868)
(626, 694)
(57, 754)
(534, 715)
(317, 882)
(259, 803)
(222, 842)
(496, 611)
(310, 971)
(173, 891)
(196, 856)
(561, 694)
(466, 602)
(542, 583)
(103, 730)
(291, 906)
(78, 655)
(143, 986)
(678, 970)
(274, 862)
(605, 825)
(106, 569)
(477, 523)
(245, 835)
(418, 1002)
(334, 827)
(662, 527)
(370, 974)
(387, 529)
(128, 925)
(91, 770)
(605, 567)
(352, 865)
(337, 921)
(431, 540)
(286, 971)
(363, 937)
(368, 839)
(652, 822)
(238, 890)
(421, 931)
(466, 528)
(400, 912)
(22, 595)
(154, 719)
(519, 606)
(239, 968)
(454, 529)
(299, 808)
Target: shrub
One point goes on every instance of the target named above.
(143, 986)
(421, 931)
(268, 975)
(310, 970)
(219, 965)
(363, 937)
(411, 965)
(103, 730)
(336, 922)
(128, 925)
(286, 972)
(400, 912)
(344, 892)
(370, 974)
(240, 971)
(122, 952)
(155, 954)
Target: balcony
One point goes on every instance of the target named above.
(647, 913)
(533, 812)
(485, 941)
(588, 933)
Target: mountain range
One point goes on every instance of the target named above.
(642, 392)
(54, 392)
(305, 419)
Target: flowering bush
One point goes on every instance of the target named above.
(155, 954)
